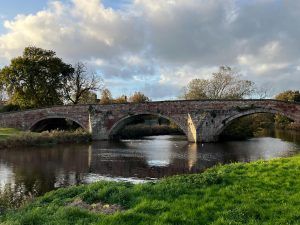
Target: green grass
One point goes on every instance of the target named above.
(257, 193)
(8, 132)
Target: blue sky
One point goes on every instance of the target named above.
(158, 46)
(9, 9)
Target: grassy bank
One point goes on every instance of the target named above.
(12, 138)
(255, 193)
(8, 132)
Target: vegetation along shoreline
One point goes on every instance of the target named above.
(13, 138)
(225, 194)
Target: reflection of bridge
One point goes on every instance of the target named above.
(201, 121)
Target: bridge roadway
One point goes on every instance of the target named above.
(200, 120)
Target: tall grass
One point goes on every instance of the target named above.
(45, 138)
(14, 197)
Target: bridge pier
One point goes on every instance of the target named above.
(97, 126)
(202, 127)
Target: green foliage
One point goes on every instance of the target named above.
(224, 84)
(242, 194)
(36, 78)
(7, 132)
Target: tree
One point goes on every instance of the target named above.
(291, 96)
(138, 97)
(121, 99)
(106, 97)
(81, 85)
(224, 84)
(36, 79)
(88, 97)
(196, 89)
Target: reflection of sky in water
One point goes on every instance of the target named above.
(159, 163)
(157, 151)
(131, 160)
(6, 175)
(90, 178)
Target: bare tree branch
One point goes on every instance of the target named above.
(82, 84)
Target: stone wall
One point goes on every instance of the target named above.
(201, 121)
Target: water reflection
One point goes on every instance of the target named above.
(44, 169)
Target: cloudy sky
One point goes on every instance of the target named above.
(157, 46)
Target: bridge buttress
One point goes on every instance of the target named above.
(191, 129)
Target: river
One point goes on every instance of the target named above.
(38, 170)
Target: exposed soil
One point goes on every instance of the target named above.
(96, 207)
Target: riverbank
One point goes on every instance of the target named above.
(263, 192)
(12, 138)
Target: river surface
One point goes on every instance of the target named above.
(38, 170)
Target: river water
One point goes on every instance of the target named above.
(38, 170)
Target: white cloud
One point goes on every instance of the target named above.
(166, 42)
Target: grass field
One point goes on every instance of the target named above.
(258, 193)
(8, 132)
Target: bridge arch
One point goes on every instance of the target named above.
(229, 120)
(121, 123)
(36, 125)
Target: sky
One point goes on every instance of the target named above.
(158, 46)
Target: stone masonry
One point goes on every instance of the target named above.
(201, 121)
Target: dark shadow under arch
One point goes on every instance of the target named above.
(120, 124)
(55, 123)
(230, 120)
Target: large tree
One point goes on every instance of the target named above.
(224, 84)
(36, 79)
(106, 97)
(138, 97)
(81, 85)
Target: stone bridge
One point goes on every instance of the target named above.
(201, 121)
